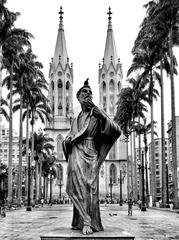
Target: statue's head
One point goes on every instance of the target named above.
(84, 93)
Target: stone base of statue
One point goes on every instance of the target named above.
(108, 233)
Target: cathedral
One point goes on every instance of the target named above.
(113, 175)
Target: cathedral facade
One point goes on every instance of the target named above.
(61, 80)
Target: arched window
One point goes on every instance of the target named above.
(52, 85)
(59, 172)
(60, 97)
(67, 86)
(60, 84)
(113, 173)
(119, 87)
(104, 96)
(68, 96)
(111, 97)
(59, 147)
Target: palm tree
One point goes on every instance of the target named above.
(146, 56)
(11, 49)
(48, 168)
(27, 69)
(168, 15)
(129, 107)
(3, 111)
(42, 148)
(7, 19)
(159, 31)
(144, 129)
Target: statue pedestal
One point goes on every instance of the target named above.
(109, 233)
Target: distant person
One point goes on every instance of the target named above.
(139, 203)
(42, 202)
(130, 203)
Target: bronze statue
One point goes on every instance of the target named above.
(91, 136)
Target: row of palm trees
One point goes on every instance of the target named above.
(26, 86)
(153, 54)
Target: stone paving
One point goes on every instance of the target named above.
(153, 224)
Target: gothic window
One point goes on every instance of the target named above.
(52, 85)
(60, 97)
(52, 104)
(111, 97)
(60, 172)
(59, 147)
(113, 173)
(67, 86)
(60, 84)
(119, 87)
(67, 104)
(68, 95)
(104, 96)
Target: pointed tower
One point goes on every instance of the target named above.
(61, 101)
(61, 82)
(110, 73)
(110, 79)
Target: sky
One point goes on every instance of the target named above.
(85, 25)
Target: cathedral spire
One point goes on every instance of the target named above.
(110, 47)
(60, 49)
(61, 19)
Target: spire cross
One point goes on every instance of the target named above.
(61, 13)
(109, 13)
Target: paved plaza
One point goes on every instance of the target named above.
(153, 224)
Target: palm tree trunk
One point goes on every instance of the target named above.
(40, 179)
(10, 141)
(32, 155)
(174, 147)
(153, 167)
(131, 162)
(27, 144)
(46, 187)
(164, 193)
(140, 162)
(19, 194)
(36, 182)
(135, 168)
(128, 164)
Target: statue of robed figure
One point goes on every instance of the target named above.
(86, 146)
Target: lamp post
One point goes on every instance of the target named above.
(167, 202)
(143, 207)
(60, 186)
(120, 180)
(110, 185)
(28, 191)
(50, 185)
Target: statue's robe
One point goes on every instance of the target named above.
(91, 141)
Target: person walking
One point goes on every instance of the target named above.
(42, 202)
(130, 203)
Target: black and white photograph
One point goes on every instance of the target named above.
(89, 119)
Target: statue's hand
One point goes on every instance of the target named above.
(89, 104)
(68, 141)
(98, 113)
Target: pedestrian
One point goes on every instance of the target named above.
(139, 203)
(42, 202)
(130, 203)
